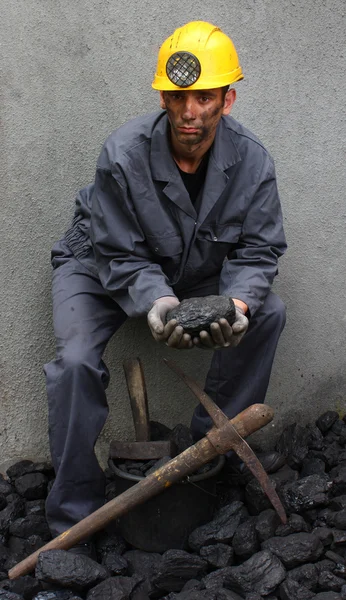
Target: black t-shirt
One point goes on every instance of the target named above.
(194, 181)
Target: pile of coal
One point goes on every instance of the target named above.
(243, 553)
(197, 314)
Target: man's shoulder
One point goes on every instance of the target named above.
(133, 133)
(243, 137)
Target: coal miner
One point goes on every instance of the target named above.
(184, 204)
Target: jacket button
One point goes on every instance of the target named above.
(215, 238)
(156, 249)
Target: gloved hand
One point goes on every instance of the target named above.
(222, 334)
(169, 333)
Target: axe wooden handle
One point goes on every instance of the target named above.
(186, 463)
(138, 397)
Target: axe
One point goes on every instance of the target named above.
(224, 436)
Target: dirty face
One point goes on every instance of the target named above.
(194, 115)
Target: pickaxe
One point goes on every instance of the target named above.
(225, 435)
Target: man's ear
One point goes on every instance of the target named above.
(162, 101)
(229, 101)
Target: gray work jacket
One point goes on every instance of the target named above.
(145, 238)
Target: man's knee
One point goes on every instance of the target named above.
(273, 312)
(77, 359)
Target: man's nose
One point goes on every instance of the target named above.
(189, 110)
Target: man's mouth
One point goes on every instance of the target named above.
(188, 130)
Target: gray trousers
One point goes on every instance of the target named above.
(85, 318)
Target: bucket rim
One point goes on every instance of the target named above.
(189, 478)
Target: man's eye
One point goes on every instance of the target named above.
(204, 98)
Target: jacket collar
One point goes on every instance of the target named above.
(224, 150)
(224, 154)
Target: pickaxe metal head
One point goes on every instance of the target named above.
(224, 437)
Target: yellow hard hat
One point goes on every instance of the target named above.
(198, 56)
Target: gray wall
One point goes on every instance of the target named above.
(73, 71)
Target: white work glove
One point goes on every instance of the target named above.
(169, 333)
(222, 334)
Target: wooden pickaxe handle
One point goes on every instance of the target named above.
(136, 387)
(186, 463)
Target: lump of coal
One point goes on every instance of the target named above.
(245, 541)
(178, 567)
(221, 529)
(197, 314)
(306, 493)
(295, 549)
(217, 555)
(69, 570)
(262, 573)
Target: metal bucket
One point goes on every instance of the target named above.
(166, 521)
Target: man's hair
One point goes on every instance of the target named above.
(224, 91)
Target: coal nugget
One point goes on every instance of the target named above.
(197, 314)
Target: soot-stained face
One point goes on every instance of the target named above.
(194, 115)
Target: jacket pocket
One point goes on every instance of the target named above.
(227, 233)
(167, 246)
(213, 244)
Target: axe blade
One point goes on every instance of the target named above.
(223, 435)
(249, 458)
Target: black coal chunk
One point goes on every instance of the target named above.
(325, 421)
(292, 590)
(221, 529)
(293, 550)
(159, 431)
(5, 487)
(115, 564)
(110, 541)
(115, 588)
(306, 493)
(266, 524)
(330, 582)
(312, 466)
(19, 468)
(26, 586)
(14, 509)
(262, 573)
(57, 595)
(176, 569)
(327, 596)
(5, 595)
(143, 563)
(197, 314)
(245, 541)
(306, 575)
(35, 507)
(216, 579)
(24, 527)
(295, 524)
(256, 500)
(217, 555)
(181, 436)
(66, 569)
(32, 486)
(293, 443)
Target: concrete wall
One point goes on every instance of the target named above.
(73, 71)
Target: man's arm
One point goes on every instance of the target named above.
(249, 272)
(124, 261)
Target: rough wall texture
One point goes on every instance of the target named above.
(73, 71)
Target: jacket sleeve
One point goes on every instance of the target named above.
(250, 269)
(124, 262)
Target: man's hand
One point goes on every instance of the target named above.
(222, 334)
(170, 333)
